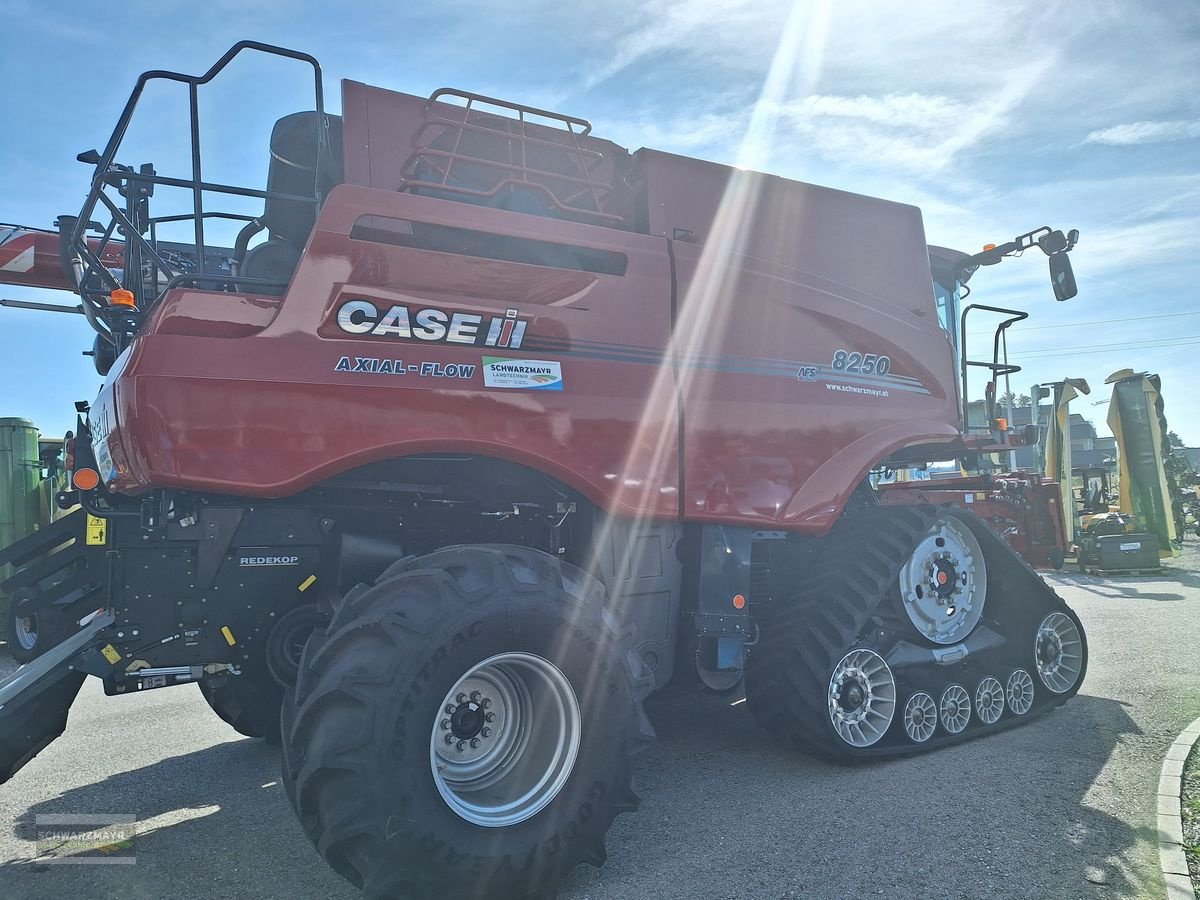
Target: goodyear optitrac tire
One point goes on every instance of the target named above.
(385, 757)
(249, 703)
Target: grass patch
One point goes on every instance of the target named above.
(1190, 808)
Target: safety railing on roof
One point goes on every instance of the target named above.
(124, 195)
(462, 149)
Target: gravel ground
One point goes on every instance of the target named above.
(1061, 808)
(1191, 815)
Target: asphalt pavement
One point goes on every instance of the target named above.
(1061, 808)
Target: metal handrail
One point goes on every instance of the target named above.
(997, 368)
(86, 264)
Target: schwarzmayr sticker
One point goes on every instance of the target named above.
(527, 374)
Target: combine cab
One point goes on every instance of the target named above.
(486, 427)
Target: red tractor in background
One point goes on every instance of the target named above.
(499, 429)
(1023, 508)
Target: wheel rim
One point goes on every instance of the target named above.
(505, 739)
(920, 717)
(955, 708)
(989, 700)
(944, 583)
(862, 698)
(1058, 649)
(1020, 692)
(25, 631)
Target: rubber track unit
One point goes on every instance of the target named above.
(356, 760)
(840, 592)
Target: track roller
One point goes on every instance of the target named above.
(1019, 692)
(920, 717)
(955, 708)
(989, 700)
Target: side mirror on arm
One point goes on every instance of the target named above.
(1062, 277)
(1057, 245)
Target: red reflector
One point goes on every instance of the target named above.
(86, 479)
(739, 602)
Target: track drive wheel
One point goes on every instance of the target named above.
(943, 586)
(465, 727)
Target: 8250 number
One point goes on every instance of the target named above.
(860, 363)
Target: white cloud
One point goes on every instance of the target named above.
(1144, 133)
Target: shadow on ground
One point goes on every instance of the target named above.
(1003, 816)
(726, 813)
(214, 823)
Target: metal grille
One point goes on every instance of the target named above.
(462, 149)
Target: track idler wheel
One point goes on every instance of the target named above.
(862, 698)
(1059, 651)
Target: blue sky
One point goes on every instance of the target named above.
(993, 118)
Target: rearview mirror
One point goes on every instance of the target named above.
(1062, 278)
(1030, 436)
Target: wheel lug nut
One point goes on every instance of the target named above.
(474, 743)
(449, 709)
(461, 698)
(490, 717)
(462, 745)
(449, 739)
(486, 704)
(445, 724)
(475, 696)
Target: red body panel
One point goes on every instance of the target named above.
(30, 257)
(728, 343)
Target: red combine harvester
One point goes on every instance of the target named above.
(499, 428)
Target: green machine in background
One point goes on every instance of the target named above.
(25, 499)
(1136, 418)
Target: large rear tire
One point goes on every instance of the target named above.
(385, 756)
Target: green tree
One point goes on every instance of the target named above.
(1019, 401)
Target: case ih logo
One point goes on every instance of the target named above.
(432, 324)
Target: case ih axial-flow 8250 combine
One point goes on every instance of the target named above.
(498, 429)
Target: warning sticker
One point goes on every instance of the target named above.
(97, 531)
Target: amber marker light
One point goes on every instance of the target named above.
(122, 297)
(86, 479)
